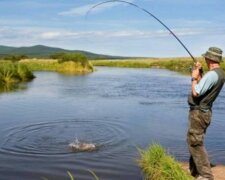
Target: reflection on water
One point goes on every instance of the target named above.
(10, 87)
(116, 109)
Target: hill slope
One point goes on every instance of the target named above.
(40, 51)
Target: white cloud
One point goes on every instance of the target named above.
(50, 35)
(111, 34)
(79, 11)
(109, 42)
(60, 34)
(82, 10)
(188, 23)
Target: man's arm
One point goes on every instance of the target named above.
(194, 82)
(196, 76)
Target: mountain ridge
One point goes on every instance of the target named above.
(42, 51)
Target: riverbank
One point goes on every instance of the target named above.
(13, 73)
(181, 65)
(69, 67)
(218, 171)
(157, 164)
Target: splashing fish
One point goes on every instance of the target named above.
(77, 146)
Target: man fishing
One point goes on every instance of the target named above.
(205, 90)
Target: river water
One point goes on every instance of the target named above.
(116, 109)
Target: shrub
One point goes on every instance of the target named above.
(24, 73)
(58, 55)
(75, 57)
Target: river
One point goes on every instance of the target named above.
(118, 109)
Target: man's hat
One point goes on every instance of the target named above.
(214, 54)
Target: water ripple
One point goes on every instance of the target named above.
(52, 138)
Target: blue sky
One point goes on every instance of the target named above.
(115, 28)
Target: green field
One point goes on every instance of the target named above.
(182, 65)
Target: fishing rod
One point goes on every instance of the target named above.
(146, 11)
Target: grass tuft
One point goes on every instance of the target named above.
(70, 175)
(156, 164)
(93, 174)
(13, 73)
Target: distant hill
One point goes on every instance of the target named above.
(40, 51)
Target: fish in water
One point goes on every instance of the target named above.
(81, 147)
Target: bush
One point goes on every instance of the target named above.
(24, 73)
(57, 55)
(75, 57)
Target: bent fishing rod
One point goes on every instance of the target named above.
(146, 11)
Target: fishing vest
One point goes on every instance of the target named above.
(205, 101)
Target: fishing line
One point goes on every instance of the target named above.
(146, 11)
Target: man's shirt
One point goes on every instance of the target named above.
(206, 83)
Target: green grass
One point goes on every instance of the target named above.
(11, 73)
(182, 65)
(71, 176)
(68, 67)
(156, 164)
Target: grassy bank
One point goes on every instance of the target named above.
(181, 65)
(156, 164)
(68, 67)
(14, 73)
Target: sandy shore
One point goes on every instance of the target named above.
(218, 171)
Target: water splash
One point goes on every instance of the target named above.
(78, 146)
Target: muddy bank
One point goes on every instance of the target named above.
(218, 171)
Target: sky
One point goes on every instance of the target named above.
(115, 28)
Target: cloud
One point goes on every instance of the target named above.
(60, 34)
(97, 41)
(82, 10)
(107, 34)
(50, 35)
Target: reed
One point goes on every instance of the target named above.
(156, 164)
(71, 177)
(11, 73)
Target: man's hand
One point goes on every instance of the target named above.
(196, 74)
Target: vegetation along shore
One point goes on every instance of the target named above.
(13, 73)
(156, 164)
(181, 65)
(19, 68)
(16, 69)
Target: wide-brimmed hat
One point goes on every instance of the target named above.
(214, 54)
